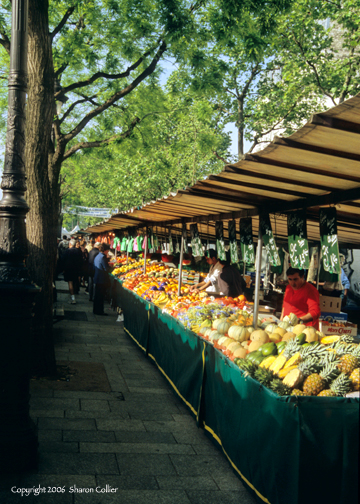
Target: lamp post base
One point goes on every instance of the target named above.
(18, 437)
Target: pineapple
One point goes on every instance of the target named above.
(348, 363)
(304, 369)
(338, 388)
(291, 348)
(317, 382)
(247, 366)
(264, 376)
(355, 379)
(298, 392)
(279, 387)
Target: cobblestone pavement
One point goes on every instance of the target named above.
(135, 444)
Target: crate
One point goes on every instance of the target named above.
(338, 328)
(334, 317)
(330, 304)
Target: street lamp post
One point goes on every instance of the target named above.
(18, 438)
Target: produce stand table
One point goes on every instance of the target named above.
(288, 450)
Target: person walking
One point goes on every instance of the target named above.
(72, 266)
(101, 278)
(92, 254)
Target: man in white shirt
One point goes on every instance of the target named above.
(210, 284)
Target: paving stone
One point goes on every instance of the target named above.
(186, 483)
(89, 436)
(129, 482)
(99, 414)
(62, 480)
(219, 497)
(171, 426)
(9, 497)
(78, 463)
(54, 404)
(136, 448)
(137, 464)
(227, 480)
(82, 394)
(94, 405)
(113, 424)
(68, 424)
(39, 392)
(35, 413)
(50, 435)
(58, 447)
(197, 465)
(135, 497)
(144, 437)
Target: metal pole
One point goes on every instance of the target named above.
(318, 267)
(181, 265)
(257, 277)
(145, 254)
(18, 438)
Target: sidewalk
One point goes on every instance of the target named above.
(132, 441)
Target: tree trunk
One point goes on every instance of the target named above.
(240, 123)
(40, 221)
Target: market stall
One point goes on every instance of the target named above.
(286, 448)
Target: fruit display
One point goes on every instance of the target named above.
(287, 357)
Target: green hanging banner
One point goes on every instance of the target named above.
(234, 253)
(220, 244)
(171, 245)
(297, 240)
(329, 241)
(184, 236)
(246, 241)
(269, 240)
(197, 249)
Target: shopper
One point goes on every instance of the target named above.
(301, 298)
(230, 281)
(101, 279)
(210, 284)
(93, 253)
(85, 267)
(72, 267)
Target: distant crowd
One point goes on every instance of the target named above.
(85, 264)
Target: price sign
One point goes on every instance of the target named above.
(220, 244)
(234, 253)
(329, 240)
(269, 240)
(184, 235)
(196, 244)
(297, 240)
(246, 241)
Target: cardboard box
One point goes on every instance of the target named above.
(334, 317)
(330, 304)
(338, 328)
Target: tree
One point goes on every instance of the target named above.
(272, 81)
(101, 50)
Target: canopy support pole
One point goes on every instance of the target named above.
(257, 278)
(180, 266)
(145, 252)
(318, 268)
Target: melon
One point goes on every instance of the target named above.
(222, 339)
(280, 330)
(254, 345)
(270, 328)
(259, 335)
(275, 337)
(233, 346)
(292, 318)
(284, 324)
(218, 321)
(239, 333)
(214, 335)
(311, 334)
(227, 342)
(223, 327)
(207, 332)
(240, 353)
(298, 329)
(288, 336)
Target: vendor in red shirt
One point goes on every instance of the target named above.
(301, 298)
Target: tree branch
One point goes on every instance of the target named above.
(60, 70)
(220, 157)
(4, 40)
(347, 80)
(98, 75)
(313, 66)
(73, 105)
(117, 96)
(101, 143)
(62, 22)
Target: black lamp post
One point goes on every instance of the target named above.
(18, 439)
